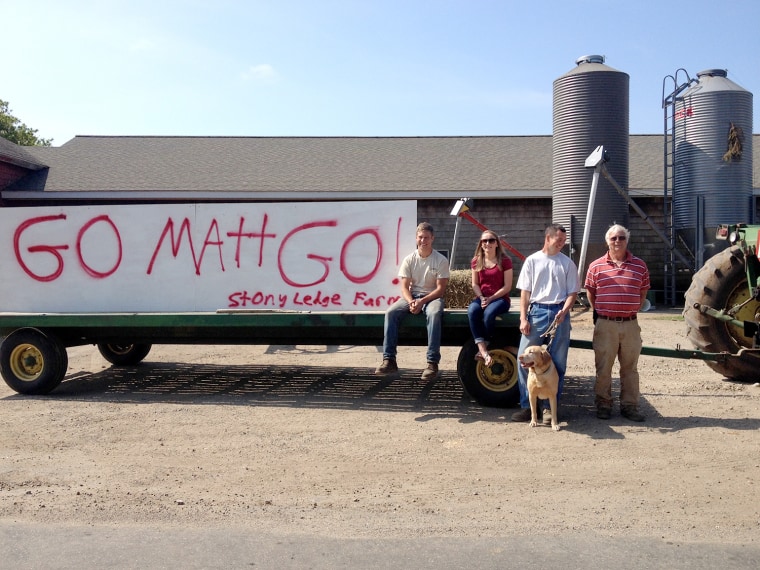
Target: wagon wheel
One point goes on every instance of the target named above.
(124, 354)
(494, 385)
(32, 362)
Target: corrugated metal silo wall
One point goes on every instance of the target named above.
(590, 109)
(704, 116)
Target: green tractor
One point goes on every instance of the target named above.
(722, 305)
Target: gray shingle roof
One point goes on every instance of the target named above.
(18, 155)
(317, 167)
(285, 164)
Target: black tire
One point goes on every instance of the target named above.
(124, 354)
(33, 362)
(722, 284)
(495, 386)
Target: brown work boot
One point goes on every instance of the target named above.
(430, 372)
(603, 412)
(632, 414)
(387, 368)
(523, 415)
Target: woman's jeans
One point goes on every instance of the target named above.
(400, 310)
(483, 321)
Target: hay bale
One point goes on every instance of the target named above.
(459, 291)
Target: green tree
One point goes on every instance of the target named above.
(15, 131)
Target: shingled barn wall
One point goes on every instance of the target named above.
(521, 223)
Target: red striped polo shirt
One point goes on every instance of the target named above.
(617, 290)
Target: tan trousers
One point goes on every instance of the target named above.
(621, 340)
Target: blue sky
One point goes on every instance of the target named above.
(349, 68)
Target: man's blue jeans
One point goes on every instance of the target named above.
(399, 311)
(483, 321)
(540, 318)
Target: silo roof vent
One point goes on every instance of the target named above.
(713, 73)
(590, 59)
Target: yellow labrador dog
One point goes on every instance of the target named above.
(543, 381)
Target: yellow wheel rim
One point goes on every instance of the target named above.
(502, 374)
(26, 362)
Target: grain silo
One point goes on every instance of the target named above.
(713, 160)
(590, 109)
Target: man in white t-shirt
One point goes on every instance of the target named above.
(549, 285)
(424, 275)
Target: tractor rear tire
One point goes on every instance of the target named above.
(722, 284)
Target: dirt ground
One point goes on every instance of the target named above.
(298, 439)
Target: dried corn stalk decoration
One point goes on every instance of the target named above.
(735, 140)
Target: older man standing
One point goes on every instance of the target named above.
(616, 286)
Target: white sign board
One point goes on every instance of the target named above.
(336, 256)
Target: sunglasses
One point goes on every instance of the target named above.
(488, 240)
(617, 238)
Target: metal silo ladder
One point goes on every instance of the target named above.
(670, 143)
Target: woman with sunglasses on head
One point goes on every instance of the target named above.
(491, 283)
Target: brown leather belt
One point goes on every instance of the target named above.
(618, 319)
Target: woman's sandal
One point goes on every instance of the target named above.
(487, 360)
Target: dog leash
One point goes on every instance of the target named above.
(549, 333)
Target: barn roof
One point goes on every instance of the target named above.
(263, 168)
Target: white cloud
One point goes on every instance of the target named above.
(261, 73)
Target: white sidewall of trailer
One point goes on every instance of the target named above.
(339, 256)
